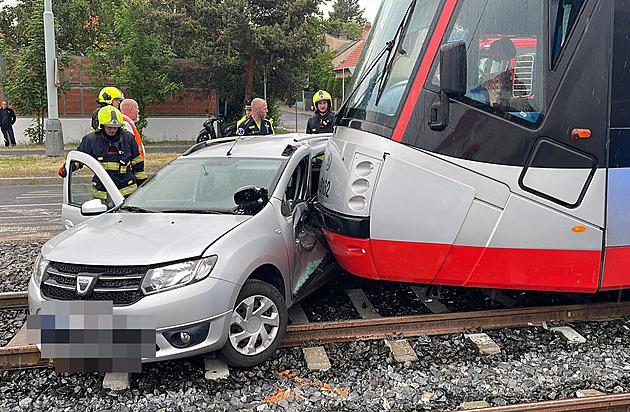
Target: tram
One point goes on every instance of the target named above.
(486, 143)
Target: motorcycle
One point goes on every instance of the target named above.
(213, 124)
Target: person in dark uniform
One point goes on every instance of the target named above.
(7, 120)
(117, 151)
(248, 113)
(257, 123)
(324, 118)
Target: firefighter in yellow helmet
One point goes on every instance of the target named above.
(324, 118)
(108, 96)
(117, 151)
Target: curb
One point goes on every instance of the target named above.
(22, 181)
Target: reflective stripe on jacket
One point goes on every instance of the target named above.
(119, 156)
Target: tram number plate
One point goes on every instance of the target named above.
(324, 188)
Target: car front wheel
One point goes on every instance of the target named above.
(257, 326)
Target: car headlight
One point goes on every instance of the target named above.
(39, 268)
(176, 275)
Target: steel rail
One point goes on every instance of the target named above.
(608, 403)
(441, 324)
(13, 299)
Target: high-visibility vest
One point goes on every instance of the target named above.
(136, 133)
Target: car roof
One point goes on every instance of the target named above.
(270, 146)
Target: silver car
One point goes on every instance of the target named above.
(215, 246)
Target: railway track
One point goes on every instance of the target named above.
(23, 355)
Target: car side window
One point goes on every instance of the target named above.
(80, 178)
(296, 189)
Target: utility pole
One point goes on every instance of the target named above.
(343, 81)
(54, 133)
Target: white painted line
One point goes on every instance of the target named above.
(29, 205)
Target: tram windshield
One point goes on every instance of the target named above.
(407, 24)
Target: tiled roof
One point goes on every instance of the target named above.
(353, 58)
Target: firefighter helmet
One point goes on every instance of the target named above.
(110, 116)
(321, 95)
(108, 94)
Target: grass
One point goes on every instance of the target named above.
(41, 166)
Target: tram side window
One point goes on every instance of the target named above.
(564, 13)
(505, 57)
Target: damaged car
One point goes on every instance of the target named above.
(214, 247)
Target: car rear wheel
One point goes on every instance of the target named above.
(257, 326)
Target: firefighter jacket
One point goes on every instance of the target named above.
(319, 123)
(119, 156)
(250, 127)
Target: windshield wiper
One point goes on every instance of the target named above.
(135, 209)
(389, 46)
(391, 55)
(199, 211)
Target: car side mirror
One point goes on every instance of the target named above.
(286, 207)
(453, 73)
(93, 207)
(250, 198)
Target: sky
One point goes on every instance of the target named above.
(370, 6)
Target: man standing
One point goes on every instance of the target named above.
(7, 120)
(116, 150)
(130, 111)
(256, 124)
(324, 118)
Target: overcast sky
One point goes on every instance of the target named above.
(370, 6)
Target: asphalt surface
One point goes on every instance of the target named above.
(30, 212)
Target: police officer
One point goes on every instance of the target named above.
(248, 113)
(108, 96)
(324, 118)
(256, 124)
(117, 151)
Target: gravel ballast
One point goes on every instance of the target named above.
(534, 365)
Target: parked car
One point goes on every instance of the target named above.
(215, 246)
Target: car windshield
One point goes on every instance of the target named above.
(203, 185)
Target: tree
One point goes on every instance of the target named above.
(347, 11)
(321, 70)
(141, 62)
(24, 56)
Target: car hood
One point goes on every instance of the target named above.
(129, 239)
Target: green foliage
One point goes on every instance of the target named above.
(337, 28)
(35, 132)
(347, 11)
(141, 62)
(321, 70)
(24, 57)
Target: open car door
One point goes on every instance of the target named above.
(78, 202)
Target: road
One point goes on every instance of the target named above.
(30, 212)
(288, 120)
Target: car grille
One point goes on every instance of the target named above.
(118, 284)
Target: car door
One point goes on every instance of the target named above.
(78, 204)
(307, 249)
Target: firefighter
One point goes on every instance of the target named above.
(257, 123)
(324, 118)
(107, 96)
(117, 151)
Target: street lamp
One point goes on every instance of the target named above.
(343, 81)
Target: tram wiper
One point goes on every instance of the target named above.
(394, 50)
(389, 46)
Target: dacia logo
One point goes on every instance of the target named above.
(85, 284)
